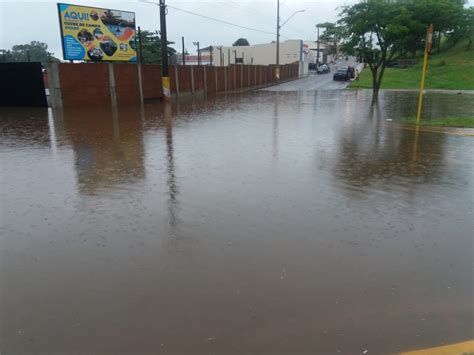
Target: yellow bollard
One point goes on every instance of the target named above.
(429, 41)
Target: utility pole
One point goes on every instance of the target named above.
(164, 53)
(210, 53)
(228, 55)
(243, 58)
(183, 50)
(4, 55)
(317, 50)
(199, 52)
(235, 56)
(140, 56)
(277, 70)
(220, 55)
(28, 56)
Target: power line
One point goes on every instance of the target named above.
(221, 21)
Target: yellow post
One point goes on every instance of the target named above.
(429, 41)
(166, 88)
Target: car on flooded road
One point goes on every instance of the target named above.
(341, 74)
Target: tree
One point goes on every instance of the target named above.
(241, 42)
(35, 51)
(151, 47)
(332, 34)
(379, 32)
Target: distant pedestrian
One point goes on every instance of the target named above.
(357, 74)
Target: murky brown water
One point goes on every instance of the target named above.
(267, 222)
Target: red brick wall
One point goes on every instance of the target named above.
(151, 81)
(126, 84)
(84, 84)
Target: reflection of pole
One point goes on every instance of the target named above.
(429, 38)
(171, 182)
(140, 48)
(183, 51)
(164, 52)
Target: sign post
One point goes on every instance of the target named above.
(429, 43)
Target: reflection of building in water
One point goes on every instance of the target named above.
(108, 147)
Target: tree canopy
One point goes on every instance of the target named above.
(151, 47)
(381, 31)
(35, 51)
(241, 42)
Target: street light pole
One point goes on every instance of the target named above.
(277, 69)
(164, 52)
(317, 51)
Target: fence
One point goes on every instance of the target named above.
(121, 84)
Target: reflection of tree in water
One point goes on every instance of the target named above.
(371, 150)
(108, 147)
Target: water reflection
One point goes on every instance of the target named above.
(21, 128)
(107, 144)
(372, 149)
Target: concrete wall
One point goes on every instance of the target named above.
(105, 84)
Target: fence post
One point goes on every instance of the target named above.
(241, 77)
(140, 82)
(55, 86)
(176, 80)
(235, 84)
(205, 81)
(225, 79)
(113, 94)
(192, 79)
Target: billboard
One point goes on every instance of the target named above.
(96, 34)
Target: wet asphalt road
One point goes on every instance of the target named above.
(264, 222)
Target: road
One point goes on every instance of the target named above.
(315, 82)
(265, 222)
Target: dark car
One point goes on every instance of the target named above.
(342, 74)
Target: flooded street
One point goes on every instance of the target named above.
(262, 222)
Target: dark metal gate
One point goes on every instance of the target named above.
(21, 84)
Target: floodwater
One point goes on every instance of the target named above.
(276, 222)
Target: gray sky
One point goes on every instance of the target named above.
(23, 21)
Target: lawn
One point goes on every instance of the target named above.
(463, 122)
(450, 70)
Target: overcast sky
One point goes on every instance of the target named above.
(24, 21)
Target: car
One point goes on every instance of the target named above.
(324, 69)
(342, 74)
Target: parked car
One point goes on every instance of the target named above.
(342, 74)
(324, 69)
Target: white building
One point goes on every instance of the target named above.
(291, 51)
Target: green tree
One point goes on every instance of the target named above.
(35, 51)
(379, 32)
(332, 34)
(151, 47)
(241, 42)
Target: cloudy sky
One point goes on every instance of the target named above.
(23, 21)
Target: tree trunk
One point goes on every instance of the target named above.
(439, 41)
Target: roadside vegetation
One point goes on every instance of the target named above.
(379, 32)
(449, 70)
(460, 122)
